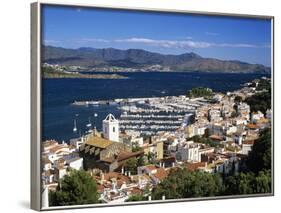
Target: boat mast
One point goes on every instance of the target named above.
(74, 128)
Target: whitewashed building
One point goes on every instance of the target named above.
(188, 152)
(256, 116)
(110, 127)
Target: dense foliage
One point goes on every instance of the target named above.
(136, 198)
(200, 92)
(77, 188)
(238, 99)
(260, 101)
(263, 85)
(260, 156)
(184, 184)
(248, 183)
(206, 140)
(133, 163)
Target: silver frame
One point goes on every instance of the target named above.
(36, 107)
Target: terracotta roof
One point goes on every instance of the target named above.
(150, 167)
(161, 173)
(57, 148)
(252, 126)
(250, 142)
(98, 141)
(194, 166)
(123, 155)
(119, 177)
(136, 191)
(216, 137)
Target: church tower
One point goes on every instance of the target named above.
(110, 128)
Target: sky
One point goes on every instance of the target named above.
(227, 38)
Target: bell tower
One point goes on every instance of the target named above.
(110, 128)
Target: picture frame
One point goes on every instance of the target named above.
(37, 96)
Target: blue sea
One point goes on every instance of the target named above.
(58, 94)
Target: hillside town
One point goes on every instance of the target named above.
(134, 153)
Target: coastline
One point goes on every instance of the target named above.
(82, 76)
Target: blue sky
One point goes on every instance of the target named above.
(227, 38)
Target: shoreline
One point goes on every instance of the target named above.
(84, 76)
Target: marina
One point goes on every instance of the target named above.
(152, 115)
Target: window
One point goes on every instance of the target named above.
(113, 129)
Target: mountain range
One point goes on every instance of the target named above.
(138, 59)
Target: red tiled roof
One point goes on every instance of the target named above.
(216, 137)
(150, 167)
(118, 176)
(136, 191)
(125, 155)
(252, 126)
(250, 142)
(161, 173)
(195, 166)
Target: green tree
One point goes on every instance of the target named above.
(260, 101)
(136, 198)
(182, 183)
(234, 114)
(206, 141)
(151, 157)
(206, 133)
(239, 184)
(200, 92)
(131, 165)
(136, 148)
(263, 182)
(248, 183)
(260, 156)
(264, 85)
(76, 188)
(238, 99)
(140, 161)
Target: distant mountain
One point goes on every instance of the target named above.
(138, 59)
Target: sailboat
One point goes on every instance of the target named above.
(89, 125)
(74, 128)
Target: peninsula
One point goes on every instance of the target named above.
(57, 71)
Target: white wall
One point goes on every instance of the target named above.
(77, 164)
(15, 107)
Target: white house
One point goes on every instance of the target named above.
(110, 127)
(60, 173)
(137, 141)
(247, 147)
(256, 116)
(188, 152)
(75, 163)
(77, 142)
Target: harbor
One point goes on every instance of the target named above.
(151, 115)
